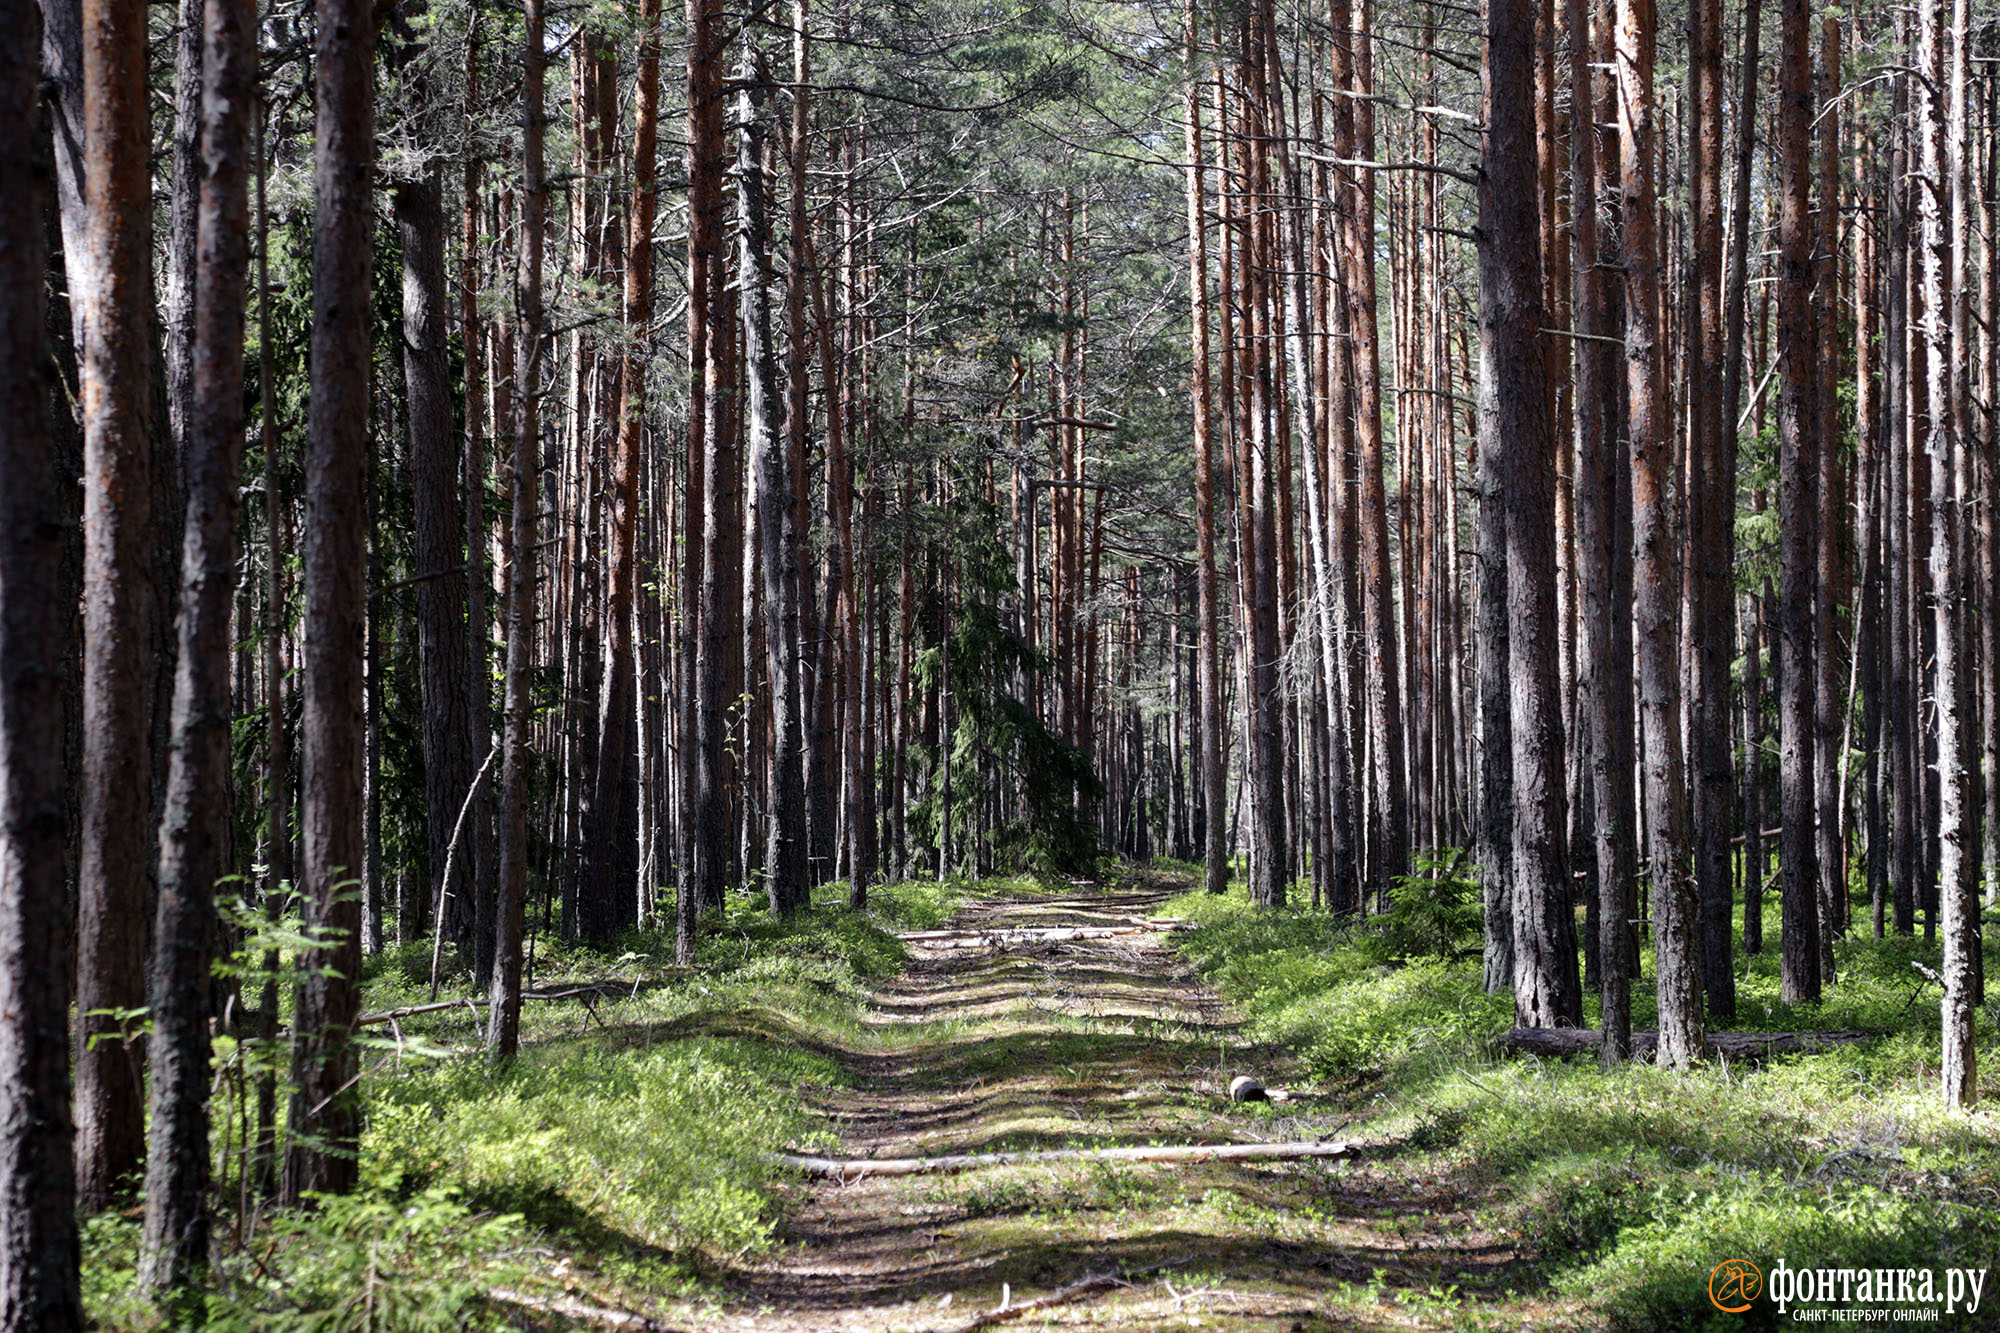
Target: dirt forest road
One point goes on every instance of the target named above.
(1102, 1041)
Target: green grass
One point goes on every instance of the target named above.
(625, 1149)
(1628, 1186)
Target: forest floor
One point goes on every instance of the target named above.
(1099, 1043)
(627, 1171)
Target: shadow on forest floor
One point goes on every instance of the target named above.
(1090, 1043)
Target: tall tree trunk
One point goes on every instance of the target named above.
(326, 1105)
(1514, 428)
(1735, 290)
(278, 737)
(1212, 780)
(711, 530)
(614, 716)
(504, 1033)
(38, 1234)
(1496, 748)
(1798, 519)
(1712, 529)
(195, 825)
(1829, 701)
(1898, 539)
(785, 844)
(478, 846)
(119, 604)
(1269, 862)
(1941, 56)
(818, 657)
(1657, 580)
(1390, 833)
(448, 722)
(183, 208)
(1604, 673)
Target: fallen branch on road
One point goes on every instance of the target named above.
(971, 938)
(1074, 1291)
(860, 1168)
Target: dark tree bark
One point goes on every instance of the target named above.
(119, 602)
(1735, 290)
(1496, 748)
(785, 819)
(478, 848)
(1514, 427)
(504, 1032)
(1604, 672)
(1798, 506)
(326, 1104)
(195, 824)
(710, 456)
(278, 732)
(817, 656)
(1905, 746)
(1829, 697)
(184, 202)
(1270, 870)
(38, 1235)
(1657, 573)
(448, 722)
(1712, 527)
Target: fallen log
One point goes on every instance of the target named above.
(1061, 1296)
(597, 988)
(965, 939)
(860, 1168)
(625, 988)
(1560, 1043)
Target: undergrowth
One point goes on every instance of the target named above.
(1625, 1188)
(624, 1151)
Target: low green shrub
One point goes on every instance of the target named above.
(377, 1261)
(665, 1145)
(1626, 1187)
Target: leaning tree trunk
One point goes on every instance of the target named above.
(38, 1235)
(326, 1104)
(195, 825)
